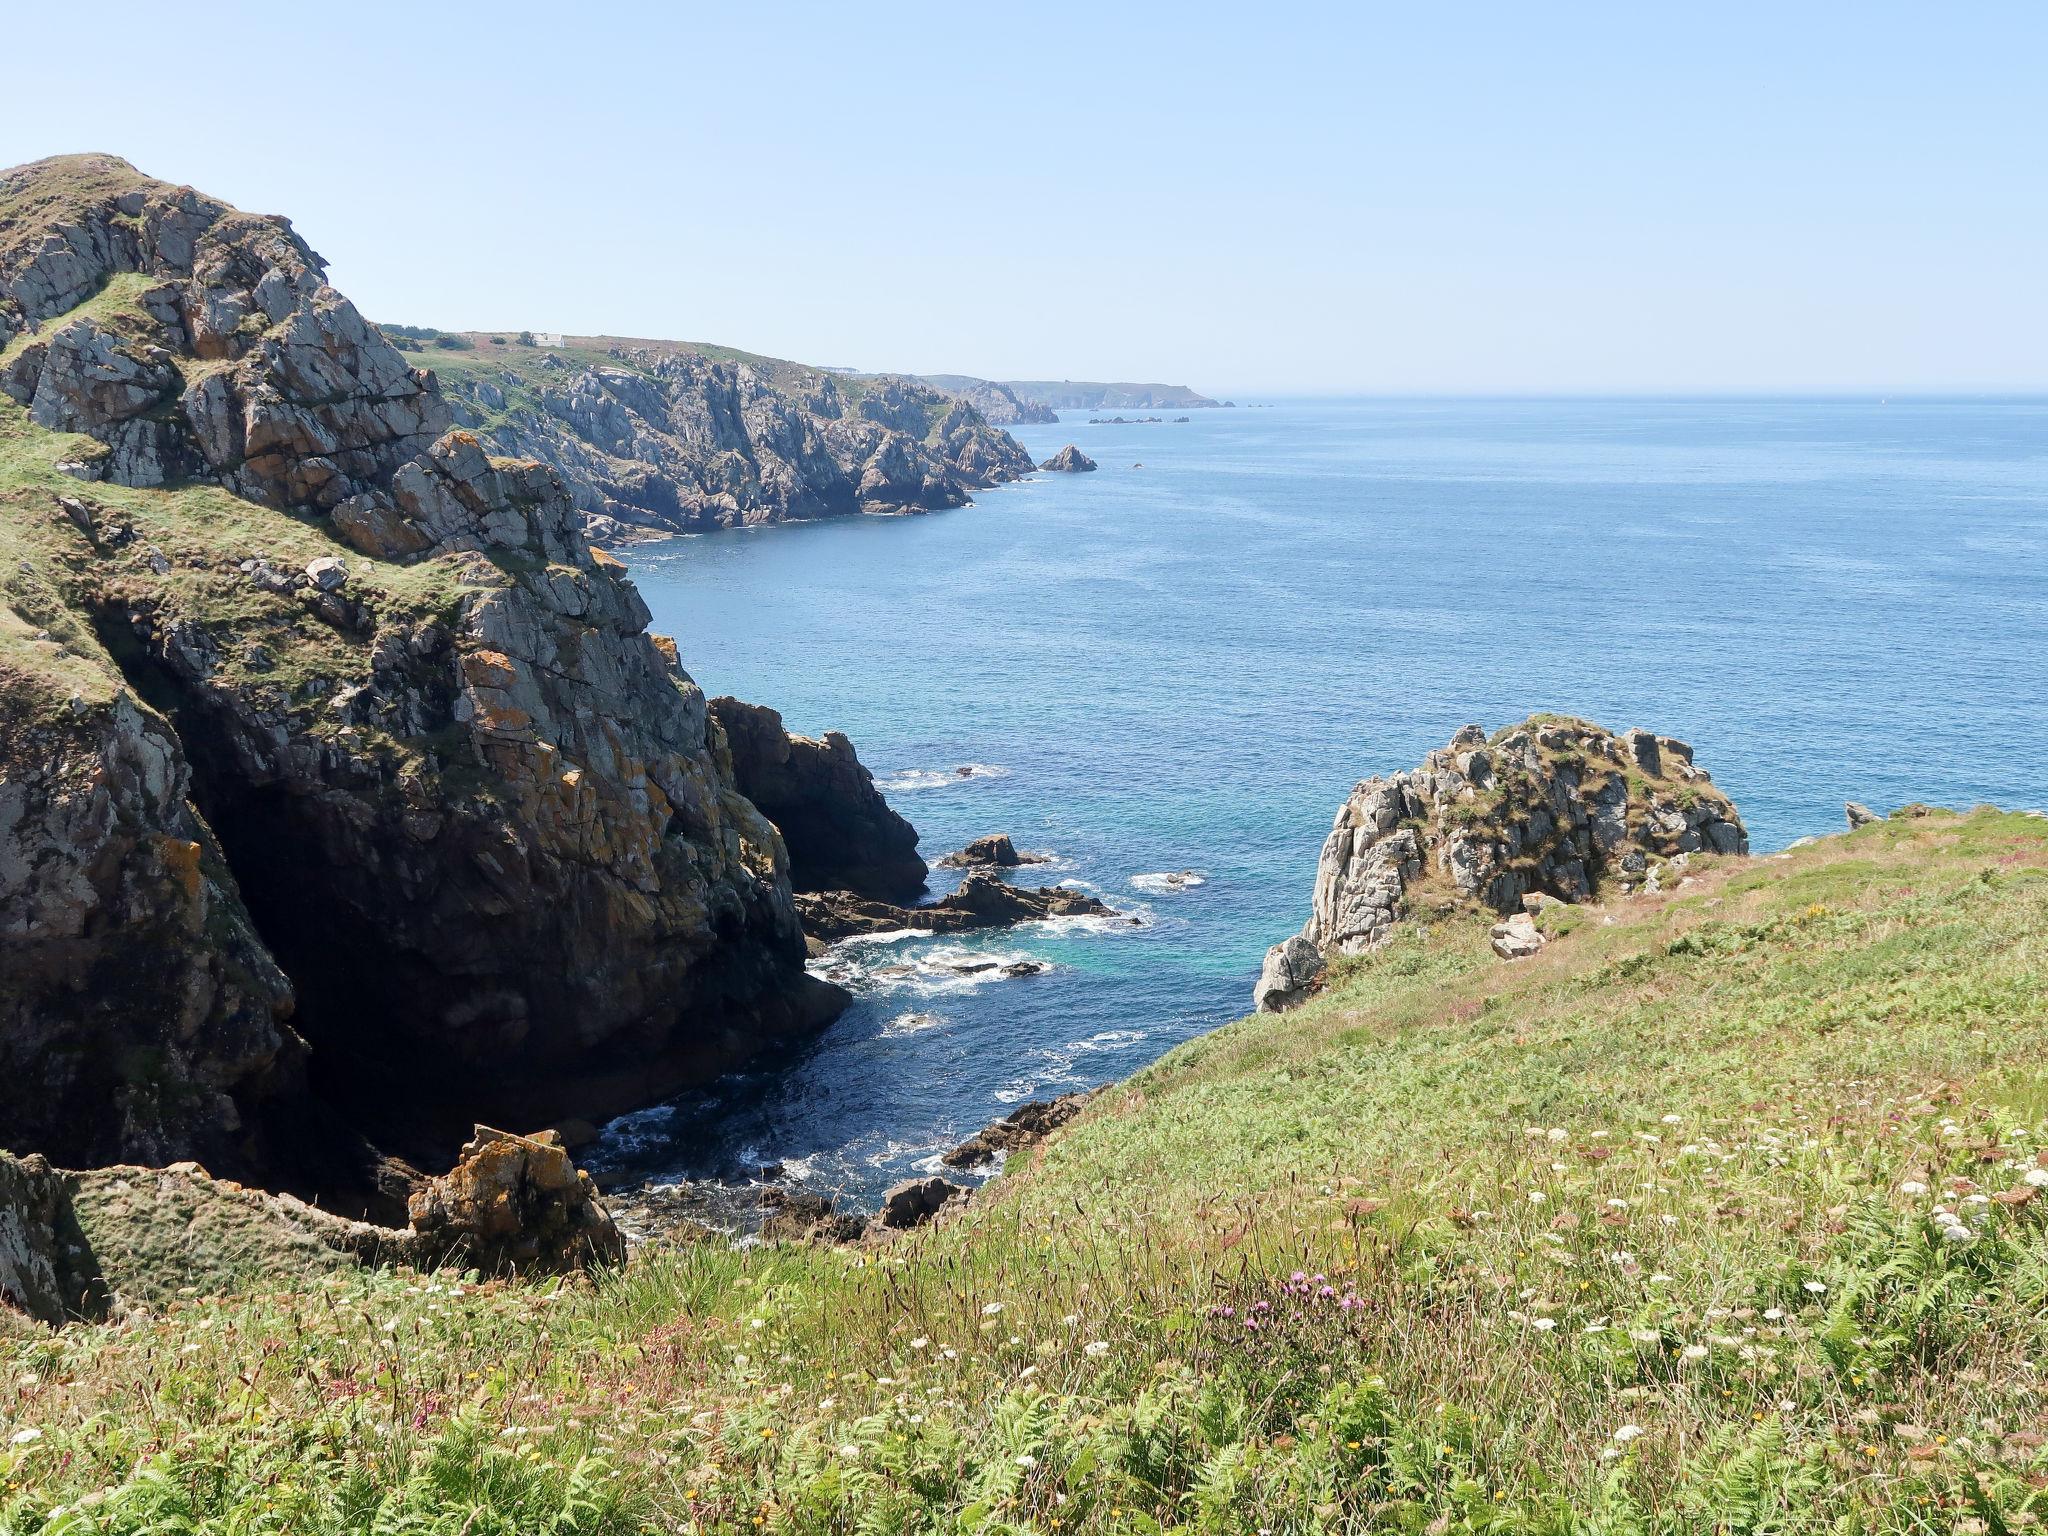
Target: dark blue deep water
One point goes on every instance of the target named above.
(1185, 666)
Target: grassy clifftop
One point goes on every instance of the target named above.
(1724, 1215)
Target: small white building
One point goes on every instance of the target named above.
(547, 338)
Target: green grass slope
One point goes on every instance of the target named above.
(1724, 1216)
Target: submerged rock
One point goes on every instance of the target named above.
(1069, 460)
(1554, 806)
(983, 901)
(995, 851)
(1024, 1126)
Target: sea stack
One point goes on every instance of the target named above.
(1069, 460)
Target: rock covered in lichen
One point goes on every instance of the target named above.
(1554, 805)
(514, 1203)
(299, 402)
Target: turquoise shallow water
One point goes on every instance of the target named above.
(1186, 666)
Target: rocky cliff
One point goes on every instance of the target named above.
(663, 437)
(840, 832)
(343, 792)
(1000, 405)
(1552, 807)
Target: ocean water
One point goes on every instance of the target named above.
(1184, 660)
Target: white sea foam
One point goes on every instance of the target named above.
(907, 780)
(910, 1023)
(1169, 882)
(924, 972)
(1060, 1064)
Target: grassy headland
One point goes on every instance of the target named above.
(1724, 1216)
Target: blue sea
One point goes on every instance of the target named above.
(1183, 661)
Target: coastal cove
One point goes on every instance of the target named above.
(1184, 666)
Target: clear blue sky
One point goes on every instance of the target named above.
(1272, 197)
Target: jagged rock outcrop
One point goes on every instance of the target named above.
(295, 400)
(1025, 1126)
(83, 1246)
(917, 1201)
(840, 833)
(1069, 460)
(386, 816)
(1554, 805)
(995, 851)
(513, 1203)
(982, 901)
(659, 439)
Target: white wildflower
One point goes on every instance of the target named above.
(1027, 1461)
(1815, 1287)
(1912, 1187)
(992, 1309)
(1628, 1432)
(850, 1452)
(26, 1436)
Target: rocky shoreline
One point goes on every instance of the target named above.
(653, 438)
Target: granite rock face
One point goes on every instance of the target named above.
(658, 439)
(123, 940)
(514, 1203)
(1553, 806)
(418, 825)
(300, 402)
(840, 833)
